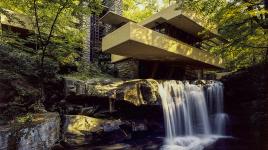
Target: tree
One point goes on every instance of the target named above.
(137, 10)
(58, 27)
(242, 23)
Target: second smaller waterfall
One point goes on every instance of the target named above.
(214, 97)
(193, 114)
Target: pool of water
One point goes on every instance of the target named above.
(159, 143)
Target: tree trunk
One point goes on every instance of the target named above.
(266, 56)
(266, 15)
(44, 46)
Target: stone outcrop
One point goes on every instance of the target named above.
(137, 92)
(82, 130)
(40, 131)
(79, 130)
(246, 102)
(15, 89)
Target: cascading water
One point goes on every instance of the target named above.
(214, 96)
(193, 114)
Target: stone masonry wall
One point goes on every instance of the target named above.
(128, 69)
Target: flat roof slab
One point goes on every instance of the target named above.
(114, 19)
(139, 42)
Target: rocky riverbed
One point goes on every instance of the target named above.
(126, 114)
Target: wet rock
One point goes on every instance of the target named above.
(57, 147)
(89, 111)
(82, 130)
(41, 132)
(73, 109)
(74, 87)
(138, 92)
(139, 126)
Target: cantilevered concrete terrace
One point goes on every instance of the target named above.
(17, 20)
(20, 21)
(139, 42)
(185, 20)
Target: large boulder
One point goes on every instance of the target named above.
(81, 130)
(33, 131)
(246, 102)
(137, 92)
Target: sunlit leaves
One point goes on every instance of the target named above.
(69, 32)
(138, 10)
(240, 22)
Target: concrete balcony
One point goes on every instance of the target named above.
(17, 20)
(136, 41)
(188, 21)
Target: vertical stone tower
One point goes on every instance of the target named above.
(114, 6)
(96, 31)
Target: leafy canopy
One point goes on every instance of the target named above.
(137, 10)
(243, 23)
(65, 20)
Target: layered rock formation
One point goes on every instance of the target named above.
(83, 130)
(40, 131)
(137, 92)
(102, 111)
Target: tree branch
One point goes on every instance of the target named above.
(51, 31)
(37, 23)
(259, 47)
(236, 23)
(44, 48)
(54, 22)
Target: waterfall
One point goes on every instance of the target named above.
(214, 96)
(193, 114)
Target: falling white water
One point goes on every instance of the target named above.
(193, 114)
(214, 96)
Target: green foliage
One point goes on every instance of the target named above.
(60, 25)
(56, 35)
(87, 71)
(137, 10)
(240, 22)
(25, 63)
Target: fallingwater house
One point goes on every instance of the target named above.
(167, 45)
